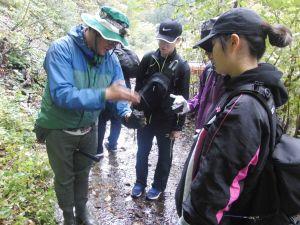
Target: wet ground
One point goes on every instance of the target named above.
(112, 179)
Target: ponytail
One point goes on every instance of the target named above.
(279, 35)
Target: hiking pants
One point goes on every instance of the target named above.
(71, 168)
(165, 144)
(115, 130)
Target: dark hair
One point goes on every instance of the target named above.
(223, 38)
(279, 36)
(257, 45)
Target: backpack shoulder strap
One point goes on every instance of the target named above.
(206, 73)
(254, 91)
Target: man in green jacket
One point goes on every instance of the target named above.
(82, 74)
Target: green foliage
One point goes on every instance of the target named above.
(25, 175)
(27, 28)
(286, 13)
(194, 13)
(17, 60)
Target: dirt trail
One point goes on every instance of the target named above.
(113, 177)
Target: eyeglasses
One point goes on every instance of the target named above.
(112, 43)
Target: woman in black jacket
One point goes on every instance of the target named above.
(228, 178)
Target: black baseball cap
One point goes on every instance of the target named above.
(169, 31)
(239, 21)
(204, 31)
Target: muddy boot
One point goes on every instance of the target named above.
(81, 185)
(83, 216)
(68, 215)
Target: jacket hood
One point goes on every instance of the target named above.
(266, 74)
(76, 33)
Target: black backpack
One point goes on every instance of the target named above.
(156, 90)
(129, 61)
(285, 156)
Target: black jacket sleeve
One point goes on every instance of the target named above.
(234, 151)
(182, 88)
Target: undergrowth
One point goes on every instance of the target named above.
(26, 196)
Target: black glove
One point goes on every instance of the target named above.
(136, 120)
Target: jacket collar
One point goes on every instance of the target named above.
(265, 74)
(170, 58)
(77, 34)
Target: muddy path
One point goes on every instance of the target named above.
(112, 179)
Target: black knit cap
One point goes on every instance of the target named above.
(239, 21)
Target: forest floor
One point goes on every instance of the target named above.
(112, 179)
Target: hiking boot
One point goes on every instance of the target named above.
(83, 217)
(110, 148)
(153, 194)
(69, 222)
(137, 190)
(69, 218)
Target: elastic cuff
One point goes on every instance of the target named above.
(102, 94)
(190, 107)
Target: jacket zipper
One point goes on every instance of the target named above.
(89, 86)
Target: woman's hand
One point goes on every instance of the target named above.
(180, 105)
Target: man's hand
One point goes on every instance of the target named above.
(135, 120)
(180, 105)
(117, 92)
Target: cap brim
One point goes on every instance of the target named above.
(205, 43)
(107, 34)
(166, 38)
